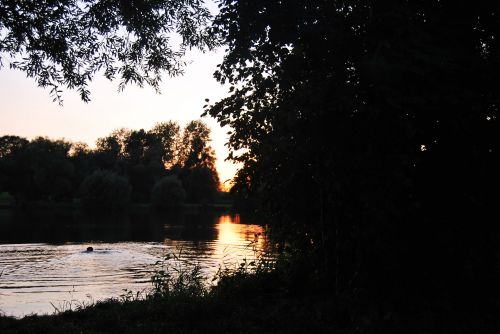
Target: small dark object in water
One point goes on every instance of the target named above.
(90, 249)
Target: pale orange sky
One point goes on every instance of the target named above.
(27, 110)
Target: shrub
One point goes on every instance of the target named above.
(105, 190)
(175, 276)
(168, 192)
(6, 198)
(201, 184)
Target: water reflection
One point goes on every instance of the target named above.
(44, 258)
(229, 232)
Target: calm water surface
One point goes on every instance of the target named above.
(44, 265)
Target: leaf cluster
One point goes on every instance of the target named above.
(65, 43)
(367, 129)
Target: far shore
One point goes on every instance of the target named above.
(216, 206)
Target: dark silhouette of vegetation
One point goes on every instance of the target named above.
(39, 169)
(253, 298)
(168, 192)
(6, 199)
(197, 159)
(180, 302)
(201, 184)
(65, 43)
(57, 170)
(105, 190)
(368, 133)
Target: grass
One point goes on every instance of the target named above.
(178, 314)
(242, 303)
(245, 299)
(256, 297)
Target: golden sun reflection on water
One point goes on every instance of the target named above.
(37, 276)
(230, 231)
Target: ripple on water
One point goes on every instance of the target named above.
(36, 275)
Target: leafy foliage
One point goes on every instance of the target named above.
(66, 43)
(201, 184)
(105, 190)
(197, 158)
(168, 133)
(196, 150)
(168, 192)
(173, 277)
(36, 170)
(11, 144)
(45, 169)
(379, 121)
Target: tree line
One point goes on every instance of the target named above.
(167, 165)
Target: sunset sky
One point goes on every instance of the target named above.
(27, 110)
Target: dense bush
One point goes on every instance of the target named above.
(201, 184)
(105, 190)
(6, 198)
(168, 192)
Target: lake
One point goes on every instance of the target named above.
(44, 264)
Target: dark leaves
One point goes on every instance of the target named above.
(66, 43)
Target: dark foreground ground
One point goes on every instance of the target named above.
(243, 312)
(187, 316)
(256, 304)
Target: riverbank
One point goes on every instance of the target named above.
(244, 301)
(252, 313)
(133, 207)
(269, 302)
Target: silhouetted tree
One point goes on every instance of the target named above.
(45, 169)
(121, 136)
(10, 150)
(197, 163)
(168, 192)
(168, 133)
(105, 190)
(135, 146)
(108, 153)
(201, 184)
(38, 170)
(196, 150)
(65, 43)
(51, 169)
(141, 180)
(369, 132)
(81, 156)
(11, 145)
(143, 154)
